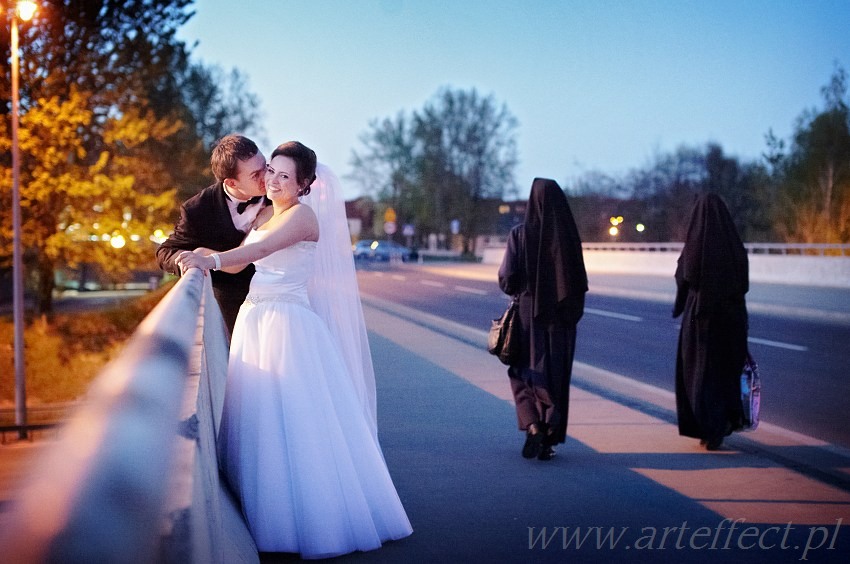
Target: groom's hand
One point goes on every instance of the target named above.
(188, 259)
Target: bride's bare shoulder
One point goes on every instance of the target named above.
(263, 217)
(305, 211)
(307, 219)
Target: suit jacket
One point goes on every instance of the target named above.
(205, 222)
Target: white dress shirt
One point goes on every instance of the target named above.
(242, 221)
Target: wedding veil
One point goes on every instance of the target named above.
(333, 289)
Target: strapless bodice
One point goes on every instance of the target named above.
(283, 273)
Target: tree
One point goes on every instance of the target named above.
(667, 189)
(81, 207)
(387, 166)
(221, 103)
(662, 194)
(443, 162)
(478, 149)
(814, 177)
(106, 135)
(598, 183)
(116, 126)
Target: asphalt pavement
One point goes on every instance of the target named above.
(822, 303)
(624, 487)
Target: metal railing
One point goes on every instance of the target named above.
(132, 475)
(634, 247)
(39, 418)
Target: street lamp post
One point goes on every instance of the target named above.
(25, 10)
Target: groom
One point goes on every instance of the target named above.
(219, 216)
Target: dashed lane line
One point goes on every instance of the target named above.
(469, 290)
(612, 314)
(777, 344)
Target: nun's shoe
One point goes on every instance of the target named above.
(533, 442)
(713, 444)
(547, 453)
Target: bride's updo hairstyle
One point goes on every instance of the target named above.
(305, 163)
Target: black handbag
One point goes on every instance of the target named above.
(504, 339)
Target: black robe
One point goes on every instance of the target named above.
(543, 267)
(712, 278)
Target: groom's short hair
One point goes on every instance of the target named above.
(227, 153)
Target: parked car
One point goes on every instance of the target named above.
(372, 249)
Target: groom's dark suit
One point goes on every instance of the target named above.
(205, 221)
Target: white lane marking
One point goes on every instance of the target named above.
(777, 344)
(378, 274)
(604, 313)
(398, 277)
(469, 290)
(432, 283)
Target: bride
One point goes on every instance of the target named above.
(298, 438)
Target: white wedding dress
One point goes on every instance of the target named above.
(294, 443)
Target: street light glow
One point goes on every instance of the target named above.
(640, 227)
(26, 9)
(158, 236)
(613, 231)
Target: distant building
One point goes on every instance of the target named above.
(361, 216)
(509, 215)
(499, 217)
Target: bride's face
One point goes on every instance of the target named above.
(281, 180)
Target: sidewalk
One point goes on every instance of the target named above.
(624, 487)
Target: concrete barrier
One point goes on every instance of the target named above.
(807, 270)
(202, 522)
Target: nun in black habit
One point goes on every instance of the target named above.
(712, 278)
(543, 267)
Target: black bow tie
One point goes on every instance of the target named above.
(240, 207)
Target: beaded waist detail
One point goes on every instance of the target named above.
(255, 299)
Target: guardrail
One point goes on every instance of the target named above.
(132, 476)
(807, 264)
(39, 418)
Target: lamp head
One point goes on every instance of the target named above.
(26, 9)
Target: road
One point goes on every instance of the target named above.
(82, 301)
(628, 329)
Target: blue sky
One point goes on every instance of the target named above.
(595, 84)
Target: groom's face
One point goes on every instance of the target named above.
(250, 177)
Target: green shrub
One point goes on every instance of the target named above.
(63, 356)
